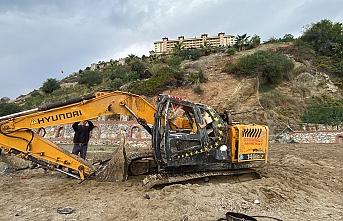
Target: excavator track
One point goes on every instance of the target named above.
(159, 179)
(136, 155)
(153, 180)
(140, 163)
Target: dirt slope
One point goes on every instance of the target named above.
(225, 91)
(302, 182)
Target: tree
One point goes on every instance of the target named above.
(139, 67)
(90, 78)
(287, 38)
(9, 108)
(177, 48)
(153, 58)
(165, 77)
(50, 85)
(273, 39)
(119, 72)
(131, 58)
(324, 37)
(174, 61)
(241, 41)
(116, 84)
(255, 41)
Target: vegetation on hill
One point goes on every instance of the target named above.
(318, 49)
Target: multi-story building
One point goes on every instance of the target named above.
(166, 45)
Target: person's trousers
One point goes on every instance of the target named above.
(80, 148)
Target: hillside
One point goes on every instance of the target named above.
(249, 99)
(240, 94)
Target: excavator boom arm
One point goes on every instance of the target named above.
(98, 104)
(18, 138)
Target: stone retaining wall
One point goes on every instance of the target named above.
(323, 136)
(105, 133)
(108, 133)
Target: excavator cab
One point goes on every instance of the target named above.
(199, 145)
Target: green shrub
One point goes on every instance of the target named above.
(324, 62)
(273, 67)
(198, 77)
(9, 108)
(50, 85)
(198, 89)
(329, 113)
(265, 88)
(299, 69)
(231, 51)
(116, 84)
(132, 76)
(119, 72)
(272, 99)
(173, 61)
(90, 78)
(34, 100)
(338, 68)
(191, 54)
(165, 77)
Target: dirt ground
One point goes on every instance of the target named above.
(301, 182)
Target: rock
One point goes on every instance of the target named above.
(5, 168)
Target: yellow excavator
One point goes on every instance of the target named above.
(189, 140)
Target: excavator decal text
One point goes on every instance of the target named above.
(56, 117)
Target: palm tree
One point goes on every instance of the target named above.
(178, 47)
(242, 41)
(153, 58)
(130, 58)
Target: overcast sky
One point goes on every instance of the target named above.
(39, 38)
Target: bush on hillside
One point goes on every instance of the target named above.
(116, 83)
(191, 54)
(198, 77)
(34, 100)
(90, 78)
(50, 85)
(119, 72)
(139, 67)
(165, 77)
(273, 67)
(174, 61)
(329, 113)
(9, 108)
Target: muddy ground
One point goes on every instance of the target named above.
(301, 182)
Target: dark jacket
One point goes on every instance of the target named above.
(82, 132)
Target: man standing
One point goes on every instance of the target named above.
(81, 137)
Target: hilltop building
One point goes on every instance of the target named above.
(166, 45)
